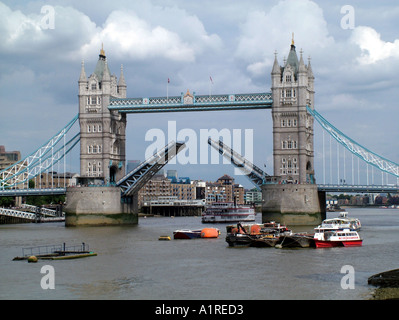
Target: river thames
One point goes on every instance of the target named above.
(131, 263)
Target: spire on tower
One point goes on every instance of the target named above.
(310, 71)
(83, 73)
(121, 78)
(302, 67)
(292, 42)
(102, 52)
(106, 73)
(276, 68)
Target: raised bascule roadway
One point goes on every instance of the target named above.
(109, 196)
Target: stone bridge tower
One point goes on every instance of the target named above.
(102, 133)
(293, 90)
(295, 200)
(102, 153)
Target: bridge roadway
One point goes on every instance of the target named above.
(32, 192)
(321, 187)
(192, 102)
(358, 188)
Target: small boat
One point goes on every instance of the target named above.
(166, 238)
(194, 234)
(255, 235)
(240, 239)
(186, 234)
(342, 222)
(336, 238)
(227, 212)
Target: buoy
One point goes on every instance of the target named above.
(164, 238)
(209, 233)
(32, 259)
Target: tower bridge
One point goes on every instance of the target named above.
(108, 196)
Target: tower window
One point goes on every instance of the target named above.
(93, 86)
(288, 78)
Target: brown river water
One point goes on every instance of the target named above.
(131, 263)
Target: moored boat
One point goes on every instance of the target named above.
(186, 234)
(342, 222)
(336, 238)
(265, 241)
(228, 212)
(194, 234)
(239, 239)
(255, 235)
(296, 240)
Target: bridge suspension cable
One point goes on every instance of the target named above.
(356, 148)
(40, 160)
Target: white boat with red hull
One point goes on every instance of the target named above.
(336, 238)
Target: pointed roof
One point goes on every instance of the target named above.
(292, 59)
(121, 78)
(302, 67)
(276, 68)
(101, 66)
(82, 73)
(310, 71)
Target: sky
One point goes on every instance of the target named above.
(353, 46)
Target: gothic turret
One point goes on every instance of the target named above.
(122, 84)
(102, 143)
(292, 125)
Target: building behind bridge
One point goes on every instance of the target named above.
(8, 158)
(55, 179)
(171, 186)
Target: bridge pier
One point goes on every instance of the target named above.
(293, 204)
(99, 206)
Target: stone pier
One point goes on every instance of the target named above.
(293, 204)
(99, 206)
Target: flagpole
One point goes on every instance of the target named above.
(210, 86)
(167, 90)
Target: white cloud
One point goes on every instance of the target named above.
(177, 36)
(130, 36)
(264, 32)
(27, 33)
(373, 48)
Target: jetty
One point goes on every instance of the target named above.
(55, 252)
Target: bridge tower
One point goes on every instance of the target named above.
(102, 153)
(292, 90)
(102, 132)
(295, 200)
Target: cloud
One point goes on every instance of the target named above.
(263, 32)
(130, 36)
(373, 48)
(76, 36)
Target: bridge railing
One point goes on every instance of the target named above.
(192, 103)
